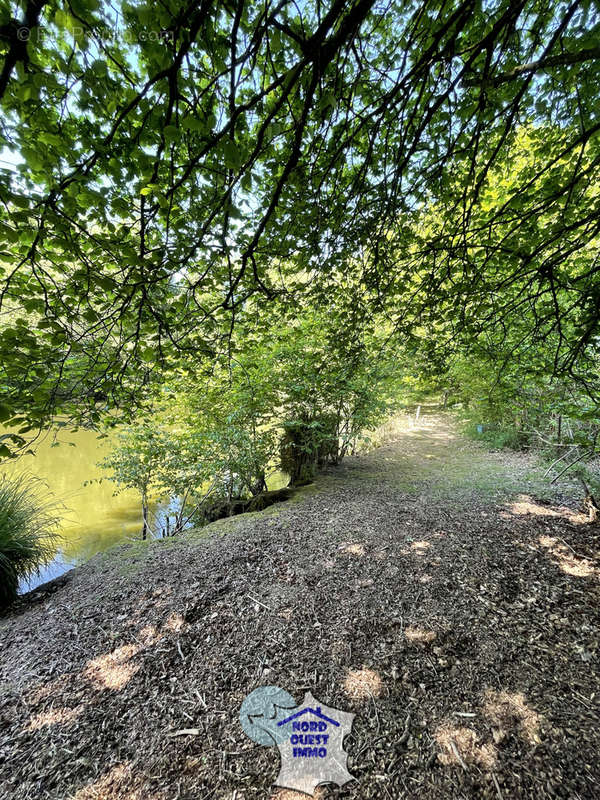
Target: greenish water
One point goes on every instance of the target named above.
(93, 517)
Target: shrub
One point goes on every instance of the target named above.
(497, 436)
(27, 533)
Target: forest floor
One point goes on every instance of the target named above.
(440, 592)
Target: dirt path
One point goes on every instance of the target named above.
(419, 586)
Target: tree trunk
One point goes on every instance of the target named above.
(144, 519)
(590, 503)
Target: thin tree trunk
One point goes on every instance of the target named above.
(144, 519)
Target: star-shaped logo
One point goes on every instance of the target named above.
(309, 737)
(313, 751)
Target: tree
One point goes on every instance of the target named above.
(180, 160)
(136, 462)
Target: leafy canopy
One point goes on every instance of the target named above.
(164, 162)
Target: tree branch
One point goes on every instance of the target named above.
(563, 60)
(18, 34)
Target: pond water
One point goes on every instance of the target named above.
(93, 517)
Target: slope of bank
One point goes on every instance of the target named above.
(434, 589)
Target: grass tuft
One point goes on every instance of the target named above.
(28, 532)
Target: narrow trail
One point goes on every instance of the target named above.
(421, 586)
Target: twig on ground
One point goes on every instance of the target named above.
(496, 784)
(406, 732)
(180, 651)
(454, 749)
(185, 732)
(254, 600)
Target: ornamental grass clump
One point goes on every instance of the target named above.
(28, 532)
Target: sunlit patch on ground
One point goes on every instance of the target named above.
(116, 782)
(354, 549)
(508, 711)
(425, 579)
(361, 684)
(420, 547)
(112, 670)
(459, 746)
(418, 635)
(525, 505)
(148, 635)
(174, 623)
(56, 716)
(566, 559)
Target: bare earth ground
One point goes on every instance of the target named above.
(420, 586)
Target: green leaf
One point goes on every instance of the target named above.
(171, 132)
(232, 155)
(193, 124)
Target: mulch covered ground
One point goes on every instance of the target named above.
(421, 586)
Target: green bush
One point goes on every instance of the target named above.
(497, 437)
(27, 533)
